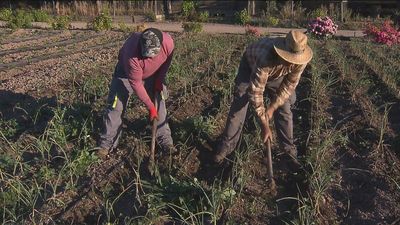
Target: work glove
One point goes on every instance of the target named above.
(153, 113)
(158, 86)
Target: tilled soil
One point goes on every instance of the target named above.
(366, 192)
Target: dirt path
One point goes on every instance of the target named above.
(207, 28)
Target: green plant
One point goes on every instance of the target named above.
(272, 21)
(20, 19)
(5, 14)
(125, 28)
(8, 127)
(150, 16)
(243, 17)
(188, 8)
(203, 17)
(319, 12)
(192, 27)
(101, 22)
(40, 16)
(94, 87)
(61, 23)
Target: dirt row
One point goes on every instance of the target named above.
(365, 191)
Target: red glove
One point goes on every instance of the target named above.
(158, 86)
(153, 113)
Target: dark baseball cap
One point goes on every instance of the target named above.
(150, 42)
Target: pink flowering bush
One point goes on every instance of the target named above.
(322, 27)
(253, 31)
(387, 34)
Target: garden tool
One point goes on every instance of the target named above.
(153, 133)
(272, 184)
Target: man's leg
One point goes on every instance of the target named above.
(118, 96)
(283, 119)
(237, 113)
(163, 136)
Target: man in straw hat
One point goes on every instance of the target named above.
(143, 62)
(274, 65)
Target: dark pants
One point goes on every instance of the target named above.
(118, 97)
(283, 117)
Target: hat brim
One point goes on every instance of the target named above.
(287, 55)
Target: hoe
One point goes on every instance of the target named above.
(272, 185)
(153, 135)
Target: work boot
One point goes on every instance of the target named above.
(292, 161)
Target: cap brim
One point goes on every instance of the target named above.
(284, 53)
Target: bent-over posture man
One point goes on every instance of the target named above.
(142, 66)
(274, 65)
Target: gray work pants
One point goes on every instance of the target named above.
(283, 117)
(118, 97)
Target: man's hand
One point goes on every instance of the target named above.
(270, 113)
(153, 113)
(266, 132)
(158, 86)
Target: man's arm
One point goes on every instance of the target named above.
(287, 87)
(258, 80)
(135, 77)
(162, 71)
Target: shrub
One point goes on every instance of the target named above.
(5, 14)
(320, 12)
(61, 22)
(203, 17)
(20, 19)
(271, 21)
(322, 27)
(252, 31)
(192, 27)
(40, 16)
(188, 8)
(101, 22)
(150, 16)
(243, 17)
(387, 34)
(125, 28)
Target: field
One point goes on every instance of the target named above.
(53, 90)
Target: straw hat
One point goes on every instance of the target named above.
(293, 48)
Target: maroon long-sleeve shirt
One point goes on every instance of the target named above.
(138, 68)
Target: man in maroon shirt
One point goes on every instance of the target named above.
(143, 63)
